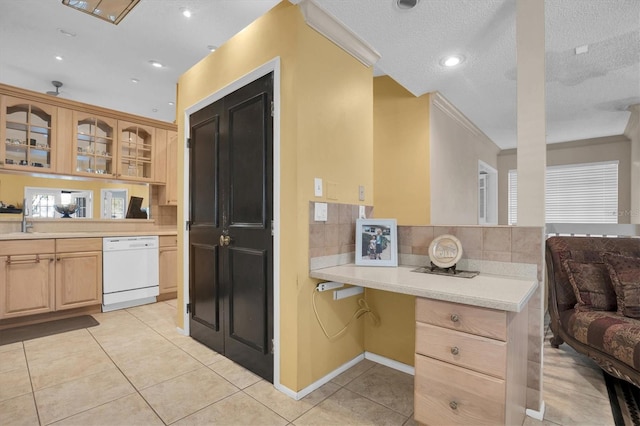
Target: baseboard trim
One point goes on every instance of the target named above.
(538, 415)
(378, 359)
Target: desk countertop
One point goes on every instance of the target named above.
(489, 291)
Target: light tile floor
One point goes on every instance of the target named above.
(135, 369)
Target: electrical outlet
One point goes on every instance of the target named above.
(361, 212)
(361, 193)
(320, 212)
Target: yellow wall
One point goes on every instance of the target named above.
(401, 180)
(326, 131)
(12, 188)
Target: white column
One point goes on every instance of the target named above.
(532, 149)
(633, 133)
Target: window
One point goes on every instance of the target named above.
(114, 203)
(576, 193)
(40, 202)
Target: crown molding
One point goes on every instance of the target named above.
(321, 21)
(634, 121)
(448, 108)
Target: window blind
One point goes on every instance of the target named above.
(575, 193)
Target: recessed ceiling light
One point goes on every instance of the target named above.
(59, 58)
(452, 61)
(172, 103)
(135, 80)
(212, 48)
(185, 12)
(155, 110)
(406, 4)
(66, 33)
(156, 64)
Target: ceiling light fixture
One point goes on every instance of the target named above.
(406, 4)
(452, 61)
(172, 103)
(185, 12)
(110, 11)
(211, 48)
(156, 64)
(135, 80)
(59, 58)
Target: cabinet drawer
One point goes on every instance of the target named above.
(485, 355)
(71, 245)
(469, 319)
(17, 247)
(447, 394)
(168, 240)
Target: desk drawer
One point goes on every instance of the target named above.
(481, 354)
(469, 319)
(447, 394)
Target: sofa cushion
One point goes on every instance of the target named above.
(592, 286)
(610, 332)
(625, 276)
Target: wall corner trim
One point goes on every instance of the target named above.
(320, 20)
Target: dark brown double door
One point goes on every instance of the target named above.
(230, 237)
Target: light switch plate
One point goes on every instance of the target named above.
(361, 193)
(317, 187)
(320, 212)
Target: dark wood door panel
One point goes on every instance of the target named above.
(205, 165)
(247, 317)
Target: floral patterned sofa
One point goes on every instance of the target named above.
(594, 300)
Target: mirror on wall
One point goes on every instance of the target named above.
(94, 199)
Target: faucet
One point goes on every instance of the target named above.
(24, 226)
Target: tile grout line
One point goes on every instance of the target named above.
(33, 392)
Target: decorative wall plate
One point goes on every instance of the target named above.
(445, 251)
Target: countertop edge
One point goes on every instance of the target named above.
(434, 294)
(61, 235)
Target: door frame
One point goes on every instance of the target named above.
(271, 66)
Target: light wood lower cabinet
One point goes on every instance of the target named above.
(168, 261)
(27, 278)
(78, 273)
(40, 276)
(470, 364)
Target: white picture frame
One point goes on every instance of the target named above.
(376, 242)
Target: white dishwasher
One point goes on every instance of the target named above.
(130, 274)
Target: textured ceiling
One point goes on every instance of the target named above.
(587, 95)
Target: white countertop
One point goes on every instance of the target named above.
(96, 234)
(489, 291)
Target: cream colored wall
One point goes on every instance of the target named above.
(633, 133)
(584, 151)
(456, 147)
(12, 188)
(326, 130)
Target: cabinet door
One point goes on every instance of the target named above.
(26, 285)
(78, 279)
(169, 192)
(135, 151)
(168, 262)
(93, 145)
(27, 135)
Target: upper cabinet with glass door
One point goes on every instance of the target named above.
(94, 145)
(28, 134)
(135, 151)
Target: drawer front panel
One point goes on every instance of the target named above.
(18, 247)
(446, 394)
(168, 240)
(466, 350)
(469, 319)
(72, 245)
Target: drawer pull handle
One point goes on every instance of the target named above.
(16, 262)
(455, 317)
(453, 405)
(455, 350)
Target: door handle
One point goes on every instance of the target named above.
(225, 240)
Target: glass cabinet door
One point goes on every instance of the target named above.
(135, 151)
(27, 129)
(94, 145)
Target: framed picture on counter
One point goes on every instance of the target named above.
(376, 242)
